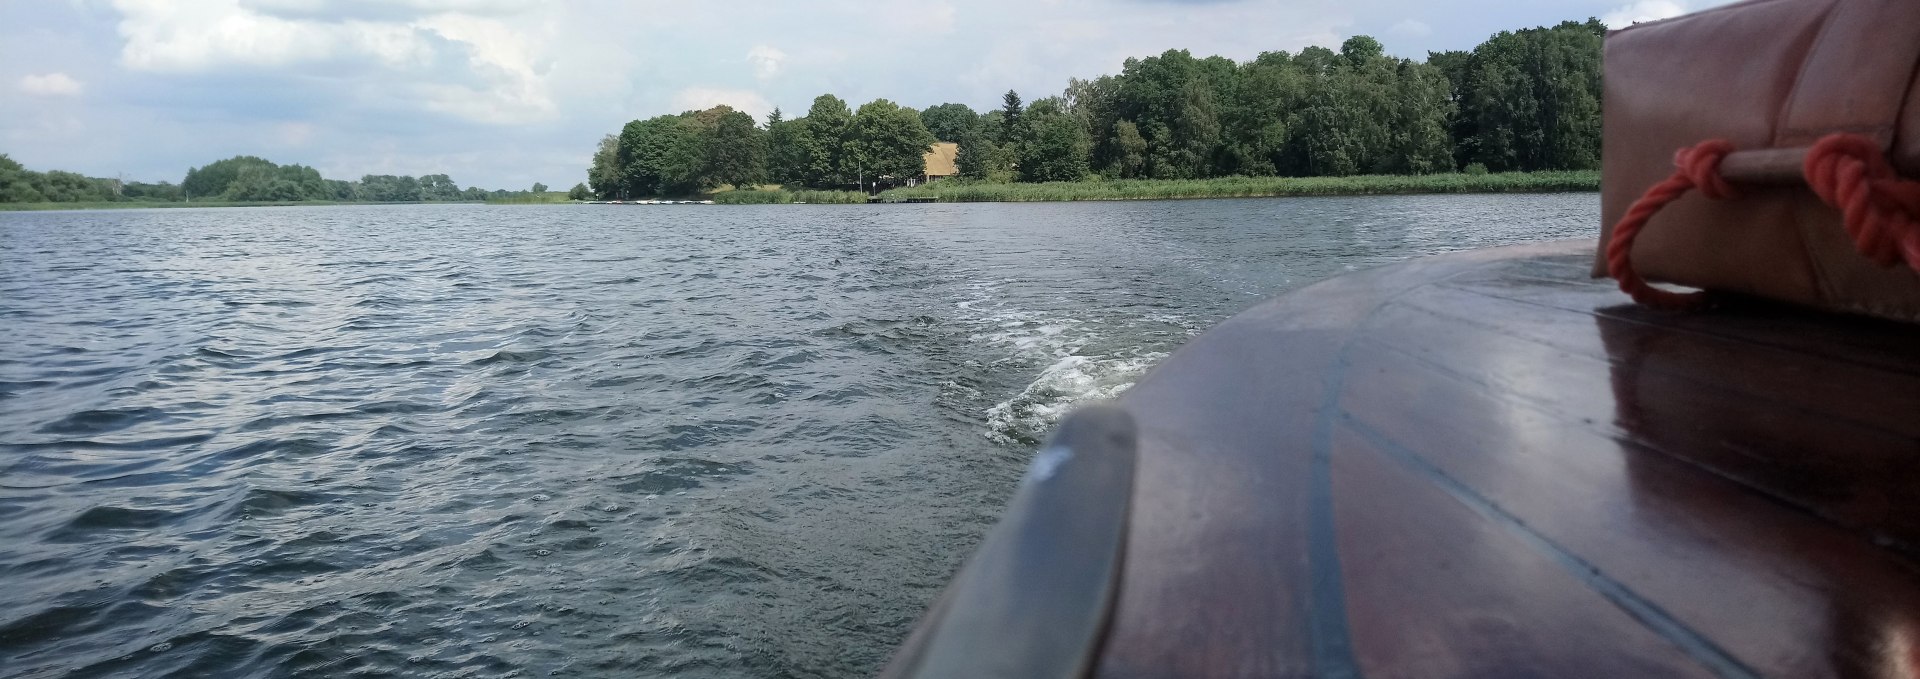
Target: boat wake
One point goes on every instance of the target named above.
(1084, 361)
(1027, 417)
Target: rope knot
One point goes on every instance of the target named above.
(1700, 164)
(1881, 211)
(1696, 166)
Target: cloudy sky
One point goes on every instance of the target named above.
(503, 93)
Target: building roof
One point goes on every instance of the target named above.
(940, 160)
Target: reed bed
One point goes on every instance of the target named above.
(529, 198)
(952, 191)
(155, 204)
(782, 196)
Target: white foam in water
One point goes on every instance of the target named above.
(1074, 375)
(1025, 418)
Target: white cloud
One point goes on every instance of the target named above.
(1410, 27)
(1642, 10)
(296, 134)
(52, 85)
(423, 53)
(702, 98)
(503, 56)
(766, 61)
(917, 19)
(383, 9)
(164, 37)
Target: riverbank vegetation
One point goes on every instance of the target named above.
(541, 197)
(695, 152)
(146, 204)
(240, 180)
(1524, 101)
(783, 196)
(963, 191)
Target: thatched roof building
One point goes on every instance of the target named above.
(940, 161)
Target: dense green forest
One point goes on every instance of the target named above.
(236, 179)
(1524, 100)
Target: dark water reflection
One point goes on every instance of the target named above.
(580, 440)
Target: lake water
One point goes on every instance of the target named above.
(697, 441)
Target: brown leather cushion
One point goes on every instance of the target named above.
(1761, 74)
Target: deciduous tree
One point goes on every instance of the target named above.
(1055, 146)
(823, 142)
(889, 143)
(736, 149)
(603, 177)
(950, 122)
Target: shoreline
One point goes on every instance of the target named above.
(962, 191)
(1254, 187)
(141, 205)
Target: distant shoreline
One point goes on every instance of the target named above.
(1256, 187)
(961, 191)
(159, 204)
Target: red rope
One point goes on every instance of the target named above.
(1694, 167)
(1849, 172)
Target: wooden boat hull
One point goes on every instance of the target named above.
(1487, 464)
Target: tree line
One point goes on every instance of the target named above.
(239, 179)
(694, 152)
(1525, 100)
(21, 185)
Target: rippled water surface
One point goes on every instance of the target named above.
(697, 441)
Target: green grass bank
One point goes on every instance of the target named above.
(142, 205)
(953, 191)
(547, 198)
(782, 196)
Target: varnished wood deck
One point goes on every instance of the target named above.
(1488, 465)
